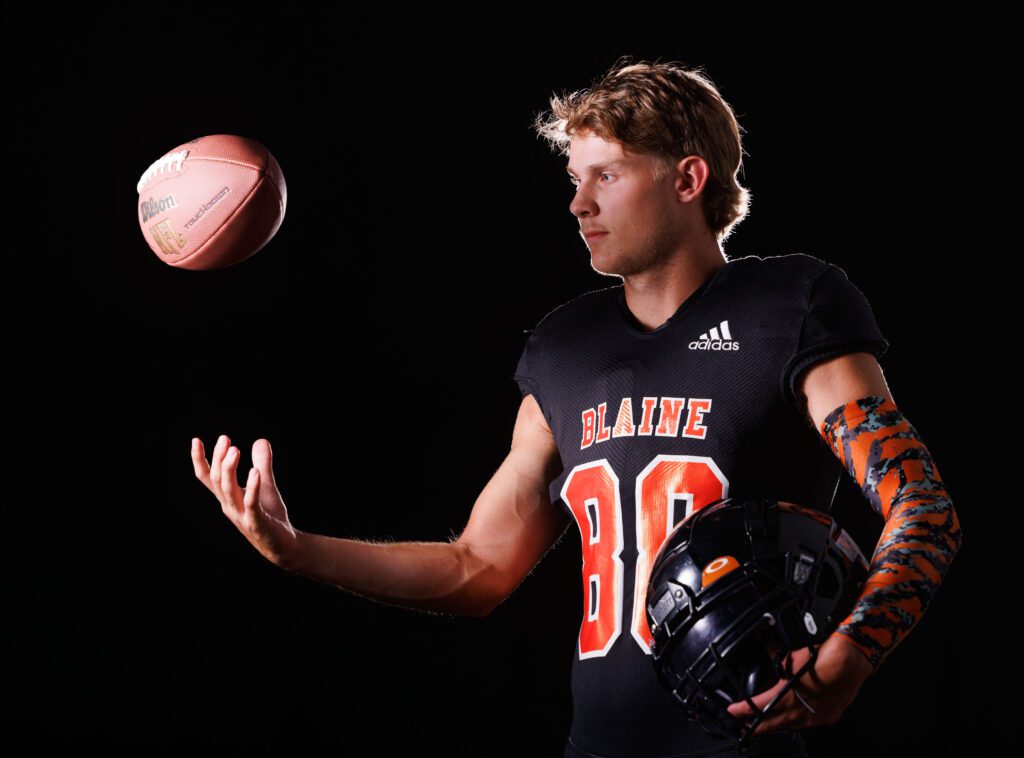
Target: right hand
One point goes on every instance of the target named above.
(257, 510)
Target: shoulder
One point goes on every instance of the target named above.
(769, 283)
(574, 314)
(783, 268)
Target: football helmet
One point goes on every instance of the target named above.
(733, 589)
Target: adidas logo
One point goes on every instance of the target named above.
(717, 338)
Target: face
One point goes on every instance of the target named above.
(617, 193)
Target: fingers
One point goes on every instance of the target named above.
(221, 475)
(252, 490)
(199, 463)
(774, 724)
(207, 475)
(232, 493)
(788, 713)
(263, 459)
(211, 473)
(217, 463)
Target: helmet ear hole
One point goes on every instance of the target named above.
(828, 582)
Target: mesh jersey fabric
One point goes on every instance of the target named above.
(651, 425)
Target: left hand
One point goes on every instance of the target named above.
(828, 687)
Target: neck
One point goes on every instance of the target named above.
(655, 295)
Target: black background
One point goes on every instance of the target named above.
(374, 339)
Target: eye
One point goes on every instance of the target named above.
(575, 183)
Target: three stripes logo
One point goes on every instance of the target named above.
(717, 338)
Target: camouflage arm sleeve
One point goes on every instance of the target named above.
(883, 452)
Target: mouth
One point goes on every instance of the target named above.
(594, 235)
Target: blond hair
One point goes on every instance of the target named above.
(667, 110)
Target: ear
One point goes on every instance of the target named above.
(691, 174)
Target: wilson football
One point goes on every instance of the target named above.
(211, 202)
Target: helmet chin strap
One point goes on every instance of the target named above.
(798, 696)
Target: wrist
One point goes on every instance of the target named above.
(290, 559)
(854, 659)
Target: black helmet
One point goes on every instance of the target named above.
(734, 588)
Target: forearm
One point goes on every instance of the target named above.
(430, 576)
(885, 455)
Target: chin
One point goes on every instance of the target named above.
(608, 270)
(601, 264)
(612, 260)
(615, 266)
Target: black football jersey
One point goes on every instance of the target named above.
(652, 425)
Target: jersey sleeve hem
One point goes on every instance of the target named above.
(818, 353)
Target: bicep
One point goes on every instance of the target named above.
(513, 522)
(826, 385)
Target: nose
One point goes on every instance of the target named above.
(582, 205)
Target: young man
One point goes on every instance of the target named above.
(696, 379)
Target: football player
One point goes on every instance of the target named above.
(695, 378)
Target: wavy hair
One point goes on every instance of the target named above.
(668, 110)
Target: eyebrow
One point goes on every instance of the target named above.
(616, 162)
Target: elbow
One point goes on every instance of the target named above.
(482, 610)
(482, 587)
(956, 533)
(480, 613)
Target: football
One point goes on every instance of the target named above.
(212, 202)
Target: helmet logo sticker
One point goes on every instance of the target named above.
(717, 569)
(809, 623)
